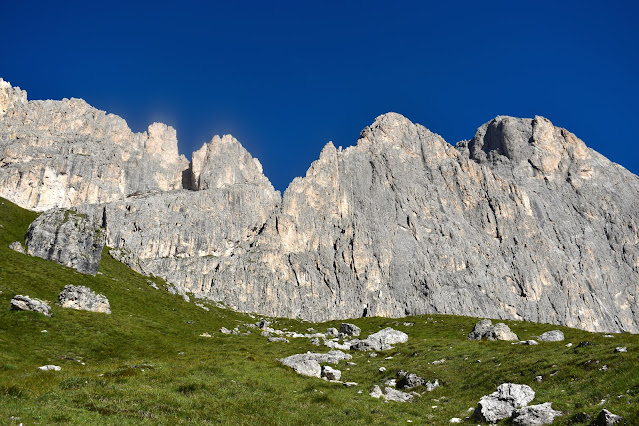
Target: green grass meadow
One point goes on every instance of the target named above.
(146, 363)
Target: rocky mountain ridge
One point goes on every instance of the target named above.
(521, 222)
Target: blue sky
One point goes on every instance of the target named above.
(286, 77)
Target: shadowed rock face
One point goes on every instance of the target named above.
(521, 222)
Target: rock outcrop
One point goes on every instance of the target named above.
(83, 299)
(26, 303)
(503, 402)
(68, 238)
(521, 222)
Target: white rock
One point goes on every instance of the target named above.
(50, 368)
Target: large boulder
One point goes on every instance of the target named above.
(26, 303)
(349, 329)
(380, 341)
(68, 238)
(486, 329)
(535, 415)
(84, 299)
(552, 336)
(503, 402)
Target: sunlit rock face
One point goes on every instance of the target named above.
(65, 153)
(521, 222)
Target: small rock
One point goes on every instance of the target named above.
(569, 345)
(380, 341)
(315, 341)
(372, 355)
(382, 369)
(408, 324)
(278, 339)
(539, 378)
(332, 332)
(50, 368)
(485, 329)
(439, 361)
(376, 392)
(205, 335)
(349, 329)
(535, 415)
(455, 420)
(583, 344)
(621, 349)
(608, 335)
(17, 246)
(26, 303)
(606, 418)
(397, 396)
(431, 386)
(331, 373)
(604, 368)
(349, 384)
(410, 380)
(225, 330)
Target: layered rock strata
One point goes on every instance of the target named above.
(521, 222)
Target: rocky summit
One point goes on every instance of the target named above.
(523, 221)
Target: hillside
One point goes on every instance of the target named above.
(147, 363)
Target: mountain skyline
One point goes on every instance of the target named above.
(285, 79)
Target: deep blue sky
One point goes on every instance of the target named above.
(286, 77)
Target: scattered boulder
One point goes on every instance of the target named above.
(308, 364)
(332, 332)
(486, 329)
(535, 415)
(225, 330)
(501, 331)
(502, 403)
(84, 299)
(26, 303)
(305, 367)
(380, 341)
(397, 396)
(278, 339)
(376, 392)
(68, 238)
(50, 368)
(621, 349)
(17, 246)
(552, 336)
(410, 380)
(331, 373)
(315, 341)
(349, 329)
(263, 324)
(455, 420)
(606, 418)
(480, 330)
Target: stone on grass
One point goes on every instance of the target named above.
(26, 303)
(376, 392)
(17, 246)
(410, 380)
(225, 330)
(308, 364)
(50, 368)
(486, 329)
(331, 373)
(84, 299)
(606, 418)
(397, 396)
(278, 339)
(621, 349)
(305, 367)
(349, 329)
(455, 420)
(503, 402)
(552, 336)
(315, 341)
(534, 415)
(380, 341)
(332, 332)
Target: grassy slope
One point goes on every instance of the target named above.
(146, 363)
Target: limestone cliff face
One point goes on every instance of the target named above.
(65, 153)
(523, 222)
